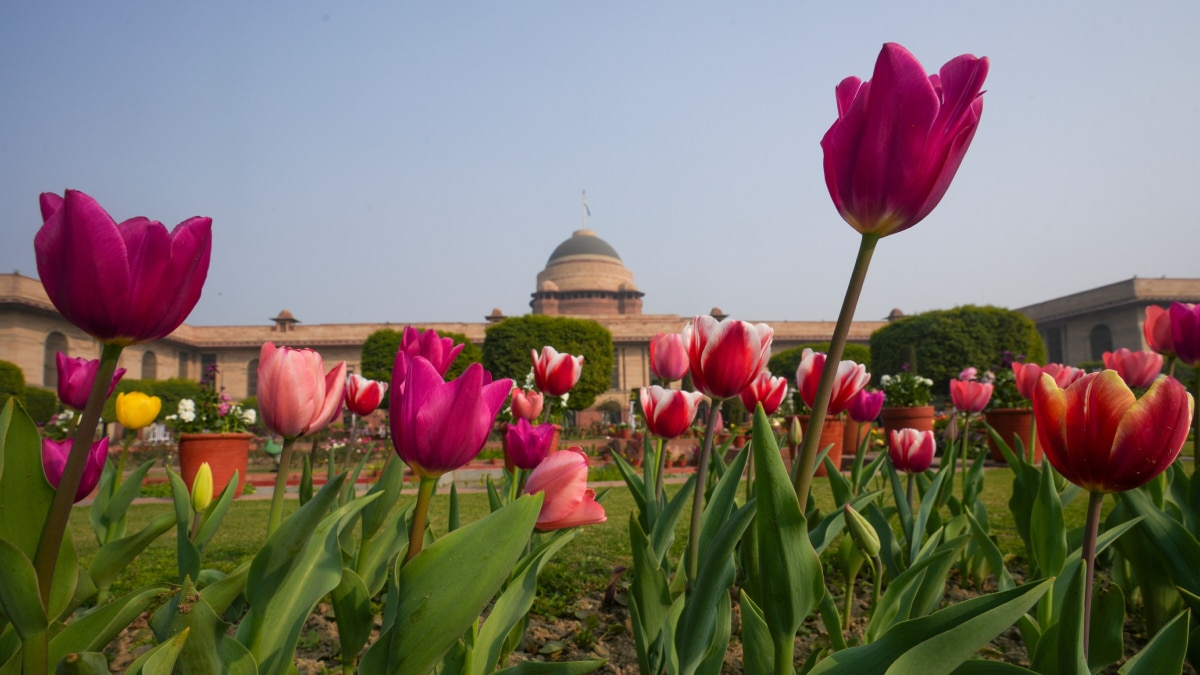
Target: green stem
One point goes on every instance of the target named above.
(111, 530)
(662, 466)
(55, 526)
(848, 602)
(860, 452)
(35, 654)
(908, 493)
(281, 476)
(966, 435)
(693, 552)
(785, 655)
(1032, 445)
(876, 583)
(416, 535)
(1091, 529)
(812, 436)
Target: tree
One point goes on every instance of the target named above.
(938, 344)
(507, 347)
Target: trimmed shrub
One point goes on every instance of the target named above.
(784, 363)
(938, 344)
(380, 348)
(508, 344)
(12, 381)
(41, 404)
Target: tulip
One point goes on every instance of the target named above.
(202, 488)
(54, 461)
(900, 138)
(668, 356)
(1138, 369)
(75, 378)
(910, 450)
(851, 378)
(669, 412)
(1157, 330)
(970, 396)
(439, 351)
(121, 283)
(526, 404)
(1185, 332)
(726, 356)
(865, 406)
(439, 426)
(136, 410)
(767, 390)
(554, 373)
(1028, 374)
(866, 539)
(363, 396)
(295, 394)
(1099, 436)
(567, 502)
(525, 445)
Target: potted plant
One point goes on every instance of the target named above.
(213, 429)
(906, 398)
(1009, 414)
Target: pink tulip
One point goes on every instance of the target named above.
(968, 373)
(1028, 374)
(669, 412)
(911, 451)
(1101, 437)
(1138, 369)
(851, 378)
(1157, 330)
(553, 373)
(526, 404)
(767, 390)
(970, 396)
(726, 356)
(363, 396)
(865, 406)
(439, 351)
(125, 283)
(568, 501)
(54, 461)
(439, 426)
(526, 445)
(668, 356)
(76, 377)
(295, 394)
(899, 139)
(1185, 332)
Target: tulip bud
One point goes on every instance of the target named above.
(202, 488)
(795, 433)
(861, 531)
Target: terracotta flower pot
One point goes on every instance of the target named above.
(225, 453)
(832, 433)
(915, 417)
(1010, 422)
(854, 434)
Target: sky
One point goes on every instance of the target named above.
(418, 162)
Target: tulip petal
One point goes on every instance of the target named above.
(588, 512)
(1150, 435)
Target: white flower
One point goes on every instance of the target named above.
(170, 418)
(187, 405)
(187, 415)
(926, 381)
(249, 416)
(885, 380)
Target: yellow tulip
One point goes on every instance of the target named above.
(202, 488)
(136, 410)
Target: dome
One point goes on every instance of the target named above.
(583, 242)
(585, 276)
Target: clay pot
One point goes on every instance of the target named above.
(225, 453)
(915, 417)
(832, 434)
(1010, 422)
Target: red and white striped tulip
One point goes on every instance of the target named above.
(911, 451)
(669, 412)
(767, 390)
(970, 396)
(726, 356)
(851, 378)
(668, 356)
(363, 396)
(555, 374)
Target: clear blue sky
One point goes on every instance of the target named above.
(409, 162)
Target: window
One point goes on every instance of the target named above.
(252, 378)
(184, 358)
(149, 366)
(1101, 339)
(1054, 344)
(55, 342)
(616, 370)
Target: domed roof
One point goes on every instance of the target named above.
(583, 242)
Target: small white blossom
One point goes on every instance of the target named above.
(885, 380)
(249, 416)
(187, 415)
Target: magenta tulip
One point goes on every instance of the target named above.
(910, 450)
(568, 502)
(767, 390)
(439, 426)
(668, 356)
(865, 406)
(851, 378)
(54, 461)
(1101, 437)
(440, 352)
(75, 379)
(363, 396)
(120, 283)
(1157, 330)
(1138, 369)
(526, 445)
(970, 396)
(669, 412)
(527, 404)
(295, 394)
(726, 356)
(555, 374)
(900, 138)
(1185, 332)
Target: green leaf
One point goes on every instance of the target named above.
(454, 521)
(546, 668)
(19, 593)
(433, 606)
(1174, 546)
(129, 489)
(1047, 530)
(637, 487)
(187, 555)
(93, 631)
(1107, 637)
(352, 611)
(305, 490)
(161, 659)
(758, 649)
(209, 648)
(663, 532)
(938, 643)
(83, 663)
(215, 513)
(650, 597)
(899, 601)
(115, 556)
(991, 552)
(375, 553)
(1163, 654)
(980, 667)
(916, 536)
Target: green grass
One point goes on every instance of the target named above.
(582, 570)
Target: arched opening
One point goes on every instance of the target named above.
(55, 342)
(1101, 339)
(252, 378)
(149, 366)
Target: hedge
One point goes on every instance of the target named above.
(507, 346)
(380, 348)
(784, 363)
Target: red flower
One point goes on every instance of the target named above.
(526, 445)
(669, 412)
(363, 396)
(526, 404)
(295, 394)
(910, 450)
(555, 374)
(668, 356)
(726, 356)
(76, 377)
(1138, 369)
(1028, 375)
(54, 460)
(851, 378)
(1157, 330)
(767, 390)
(970, 396)
(1185, 332)
(1101, 437)
(865, 406)
(568, 501)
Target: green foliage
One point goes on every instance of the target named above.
(12, 381)
(784, 363)
(508, 344)
(938, 344)
(41, 404)
(379, 354)
(170, 391)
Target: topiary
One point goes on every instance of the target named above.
(41, 404)
(507, 346)
(12, 381)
